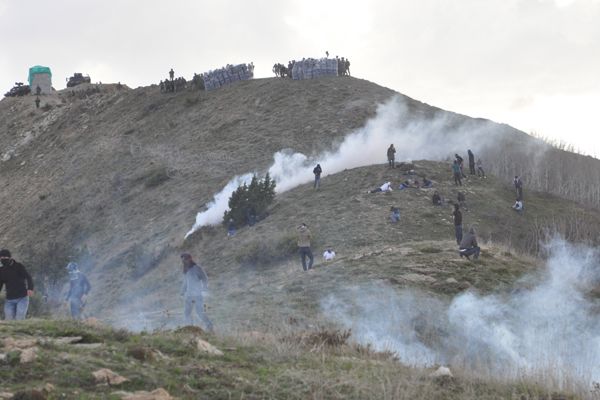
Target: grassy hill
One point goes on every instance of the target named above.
(113, 178)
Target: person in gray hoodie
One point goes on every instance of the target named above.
(195, 282)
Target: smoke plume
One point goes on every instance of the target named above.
(415, 136)
(548, 330)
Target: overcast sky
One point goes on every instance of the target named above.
(534, 64)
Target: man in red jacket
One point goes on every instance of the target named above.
(19, 286)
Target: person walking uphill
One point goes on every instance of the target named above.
(317, 171)
(79, 287)
(19, 286)
(195, 282)
(391, 156)
(457, 224)
(304, 237)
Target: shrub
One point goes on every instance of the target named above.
(265, 253)
(249, 203)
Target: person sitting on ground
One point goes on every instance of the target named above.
(328, 255)
(416, 184)
(468, 245)
(394, 214)
(404, 185)
(436, 199)
(386, 187)
(518, 206)
(426, 183)
(462, 201)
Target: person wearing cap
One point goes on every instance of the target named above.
(19, 286)
(195, 282)
(79, 287)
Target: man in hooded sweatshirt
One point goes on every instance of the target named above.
(79, 287)
(195, 282)
(19, 286)
(468, 245)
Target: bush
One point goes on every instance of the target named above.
(265, 253)
(249, 203)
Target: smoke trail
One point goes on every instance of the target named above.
(550, 329)
(415, 136)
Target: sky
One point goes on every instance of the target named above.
(533, 64)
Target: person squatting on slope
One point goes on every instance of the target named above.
(456, 173)
(79, 287)
(328, 254)
(304, 237)
(19, 286)
(317, 171)
(195, 282)
(457, 215)
(386, 187)
(468, 245)
(471, 162)
(518, 206)
(391, 156)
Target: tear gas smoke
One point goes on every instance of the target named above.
(415, 137)
(551, 329)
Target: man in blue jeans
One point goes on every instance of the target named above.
(19, 286)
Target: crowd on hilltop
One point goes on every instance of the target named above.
(313, 68)
(210, 80)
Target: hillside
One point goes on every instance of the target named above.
(113, 178)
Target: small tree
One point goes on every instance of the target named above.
(249, 203)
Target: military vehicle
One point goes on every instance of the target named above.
(77, 79)
(18, 90)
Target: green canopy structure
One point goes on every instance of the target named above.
(38, 69)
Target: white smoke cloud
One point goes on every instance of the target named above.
(415, 136)
(549, 329)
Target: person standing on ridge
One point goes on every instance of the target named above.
(19, 286)
(471, 162)
(518, 187)
(391, 155)
(195, 282)
(79, 287)
(304, 237)
(317, 171)
(457, 215)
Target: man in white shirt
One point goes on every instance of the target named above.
(328, 255)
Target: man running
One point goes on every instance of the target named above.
(19, 286)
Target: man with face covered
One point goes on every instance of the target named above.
(79, 287)
(195, 282)
(19, 286)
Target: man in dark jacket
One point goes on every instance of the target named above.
(79, 287)
(468, 245)
(317, 171)
(391, 156)
(471, 162)
(19, 286)
(457, 223)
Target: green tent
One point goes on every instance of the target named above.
(38, 69)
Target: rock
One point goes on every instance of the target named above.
(206, 347)
(88, 346)
(158, 394)
(94, 322)
(29, 395)
(105, 376)
(3, 357)
(49, 388)
(451, 281)
(6, 395)
(441, 371)
(28, 355)
(66, 340)
(18, 344)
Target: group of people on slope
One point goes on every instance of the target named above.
(458, 169)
